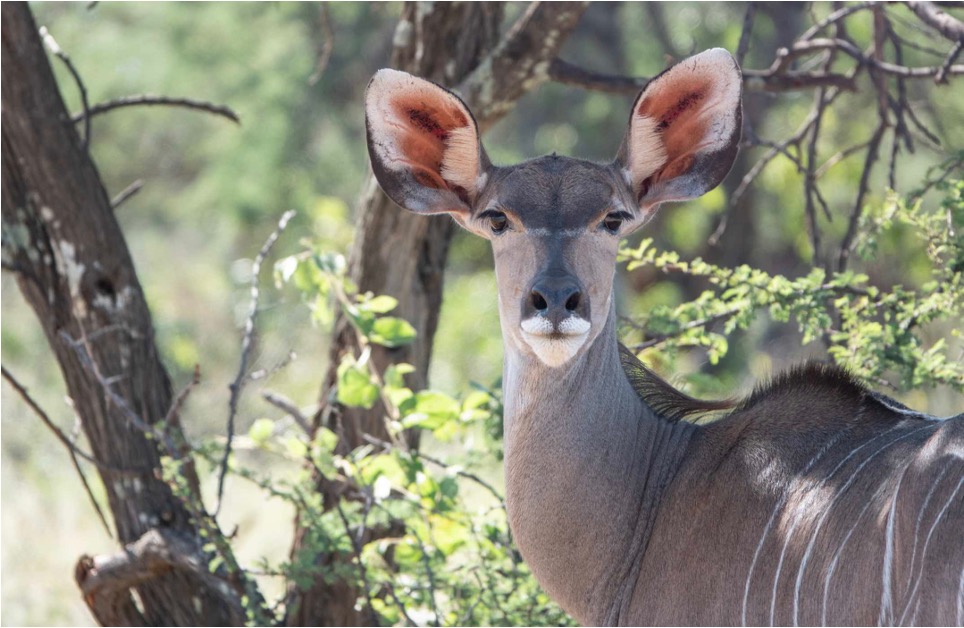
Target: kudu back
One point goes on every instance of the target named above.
(813, 501)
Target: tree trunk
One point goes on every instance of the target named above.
(61, 240)
(403, 255)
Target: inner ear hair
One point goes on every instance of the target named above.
(684, 129)
(461, 165)
(424, 144)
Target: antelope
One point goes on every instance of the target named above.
(812, 501)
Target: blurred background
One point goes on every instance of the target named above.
(213, 191)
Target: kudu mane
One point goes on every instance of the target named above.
(793, 386)
(665, 399)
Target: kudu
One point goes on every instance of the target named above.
(814, 501)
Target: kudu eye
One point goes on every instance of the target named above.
(498, 222)
(613, 222)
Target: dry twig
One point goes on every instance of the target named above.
(239, 380)
(147, 100)
(55, 48)
(327, 46)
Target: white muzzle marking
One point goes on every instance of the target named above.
(555, 346)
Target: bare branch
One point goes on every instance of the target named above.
(840, 156)
(55, 48)
(657, 340)
(147, 100)
(457, 471)
(239, 380)
(744, 44)
(568, 74)
(72, 448)
(521, 60)
(126, 193)
(59, 433)
(763, 81)
(362, 571)
(943, 23)
(289, 406)
(658, 26)
(941, 76)
(846, 246)
(173, 416)
(118, 401)
(834, 17)
(327, 46)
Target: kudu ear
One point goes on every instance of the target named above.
(684, 130)
(424, 145)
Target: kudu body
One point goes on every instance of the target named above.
(814, 501)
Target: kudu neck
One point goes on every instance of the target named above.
(586, 463)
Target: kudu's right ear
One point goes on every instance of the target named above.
(684, 130)
(424, 145)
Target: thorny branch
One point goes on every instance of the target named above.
(357, 548)
(443, 465)
(239, 380)
(229, 573)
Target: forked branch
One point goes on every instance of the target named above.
(106, 581)
(521, 60)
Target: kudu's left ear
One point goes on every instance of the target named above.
(684, 130)
(424, 145)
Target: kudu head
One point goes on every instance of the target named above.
(555, 222)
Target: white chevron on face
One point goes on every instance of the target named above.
(554, 346)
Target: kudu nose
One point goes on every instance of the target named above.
(556, 297)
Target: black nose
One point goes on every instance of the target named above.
(556, 297)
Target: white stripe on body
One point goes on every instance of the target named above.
(776, 509)
(823, 517)
(923, 555)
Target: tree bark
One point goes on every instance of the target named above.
(403, 255)
(71, 262)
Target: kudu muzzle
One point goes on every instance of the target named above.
(556, 297)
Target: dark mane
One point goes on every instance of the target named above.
(812, 380)
(809, 378)
(661, 396)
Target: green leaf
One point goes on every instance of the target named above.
(326, 439)
(332, 263)
(260, 431)
(390, 331)
(296, 447)
(432, 410)
(379, 305)
(394, 374)
(355, 387)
